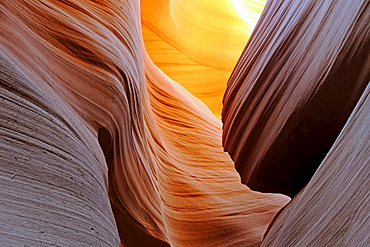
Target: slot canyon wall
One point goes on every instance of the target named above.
(110, 132)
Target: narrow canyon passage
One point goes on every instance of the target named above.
(184, 123)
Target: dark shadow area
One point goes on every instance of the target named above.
(309, 133)
(131, 233)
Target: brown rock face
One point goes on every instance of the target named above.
(294, 87)
(52, 182)
(333, 209)
(100, 148)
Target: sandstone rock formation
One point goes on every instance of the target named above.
(293, 89)
(99, 146)
(197, 43)
(333, 209)
(53, 183)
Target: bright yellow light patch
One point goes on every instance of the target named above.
(249, 10)
(198, 42)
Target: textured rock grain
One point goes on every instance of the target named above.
(294, 87)
(333, 209)
(53, 191)
(91, 128)
(197, 42)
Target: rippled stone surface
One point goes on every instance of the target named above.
(100, 148)
(293, 89)
(110, 132)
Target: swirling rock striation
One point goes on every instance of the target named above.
(100, 148)
(333, 209)
(197, 42)
(53, 188)
(291, 92)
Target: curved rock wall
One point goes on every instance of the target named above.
(291, 92)
(198, 178)
(333, 209)
(197, 42)
(105, 123)
(53, 188)
(99, 147)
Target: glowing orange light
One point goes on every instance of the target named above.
(197, 42)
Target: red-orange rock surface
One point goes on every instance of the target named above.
(294, 87)
(99, 147)
(197, 42)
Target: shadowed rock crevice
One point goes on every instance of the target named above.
(99, 147)
(130, 231)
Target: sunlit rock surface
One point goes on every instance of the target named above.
(101, 146)
(98, 146)
(197, 42)
(293, 89)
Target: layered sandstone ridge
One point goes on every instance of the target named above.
(294, 87)
(99, 147)
(53, 188)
